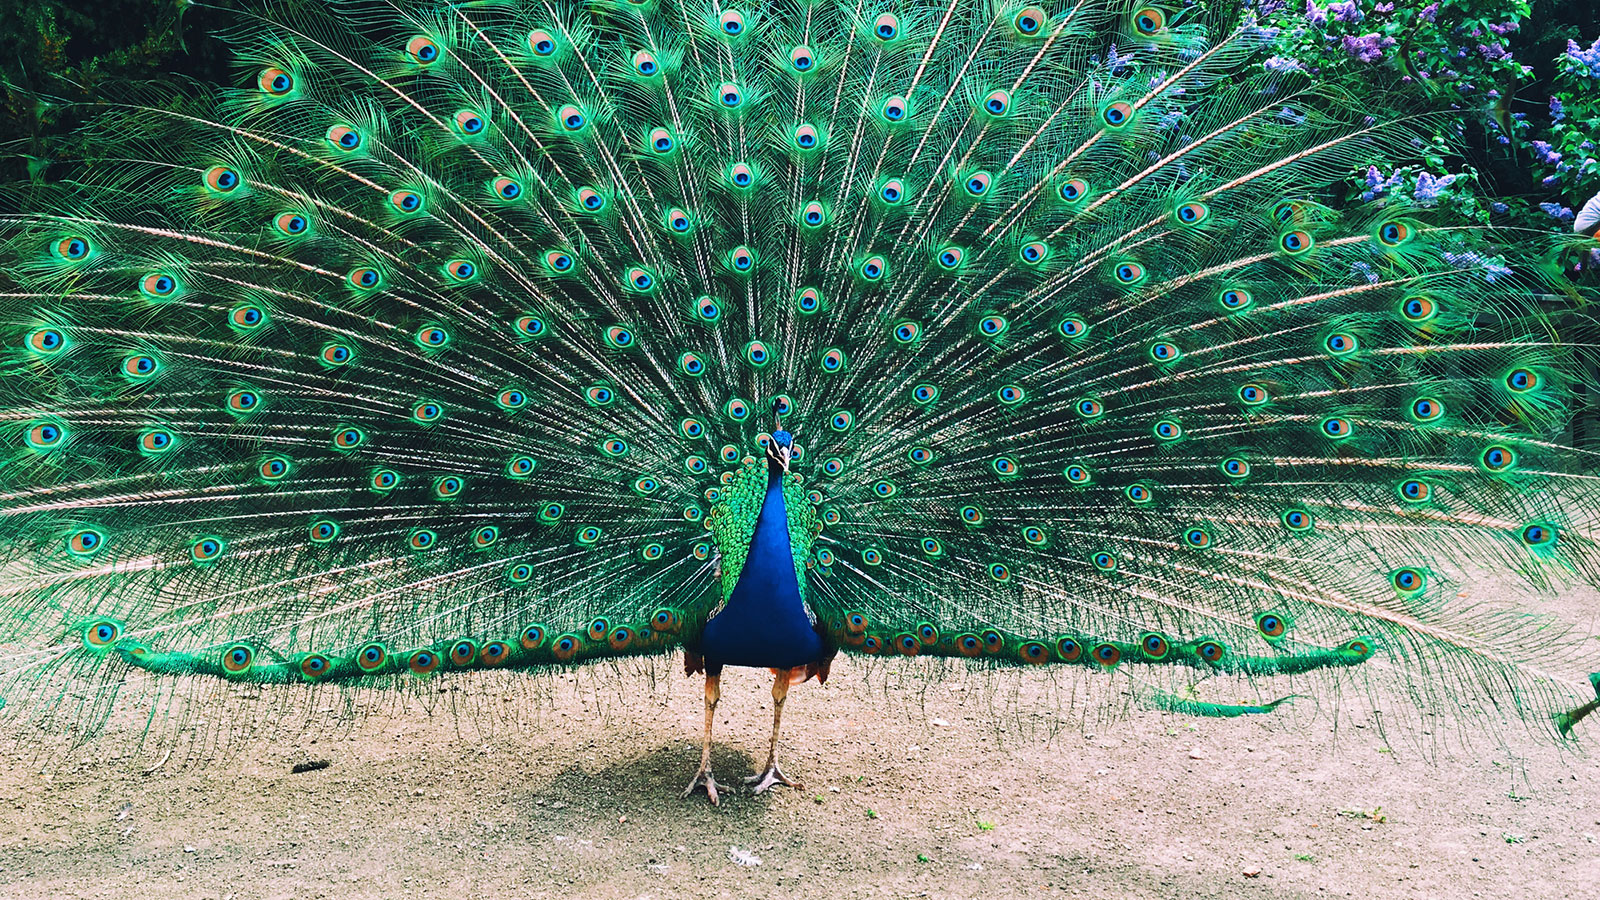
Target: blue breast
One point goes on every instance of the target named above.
(765, 622)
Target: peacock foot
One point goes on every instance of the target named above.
(703, 778)
(772, 776)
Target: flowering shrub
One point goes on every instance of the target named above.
(1516, 84)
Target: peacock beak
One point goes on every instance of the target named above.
(779, 455)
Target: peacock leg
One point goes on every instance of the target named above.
(774, 775)
(703, 777)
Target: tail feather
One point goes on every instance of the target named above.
(439, 344)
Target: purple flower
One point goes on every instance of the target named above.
(1429, 13)
(1589, 58)
(1493, 52)
(1504, 29)
(1383, 8)
(1557, 111)
(1545, 153)
(1347, 11)
(1282, 64)
(1556, 211)
(1429, 188)
(1498, 207)
(1368, 48)
(1377, 184)
(1492, 269)
(1314, 14)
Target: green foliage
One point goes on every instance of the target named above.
(1514, 86)
(55, 54)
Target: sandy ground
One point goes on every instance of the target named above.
(912, 790)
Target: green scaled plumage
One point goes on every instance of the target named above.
(447, 342)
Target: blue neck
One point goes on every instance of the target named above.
(764, 622)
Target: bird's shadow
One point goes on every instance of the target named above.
(648, 781)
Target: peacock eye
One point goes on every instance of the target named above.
(1149, 21)
(1074, 190)
(275, 81)
(639, 279)
(1393, 234)
(291, 224)
(406, 201)
(1191, 213)
(1028, 21)
(343, 137)
(46, 435)
(1296, 242)
(422, 50)
(506, 188)
(219, 179)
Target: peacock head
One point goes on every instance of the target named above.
(779, 450)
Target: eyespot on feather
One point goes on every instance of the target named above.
(275, 82)
(422, 50)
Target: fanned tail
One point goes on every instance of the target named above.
(442, 343)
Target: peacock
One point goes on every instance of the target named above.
(520, 334)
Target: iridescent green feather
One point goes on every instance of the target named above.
(430, 346)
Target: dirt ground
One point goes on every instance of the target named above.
(912, 789)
